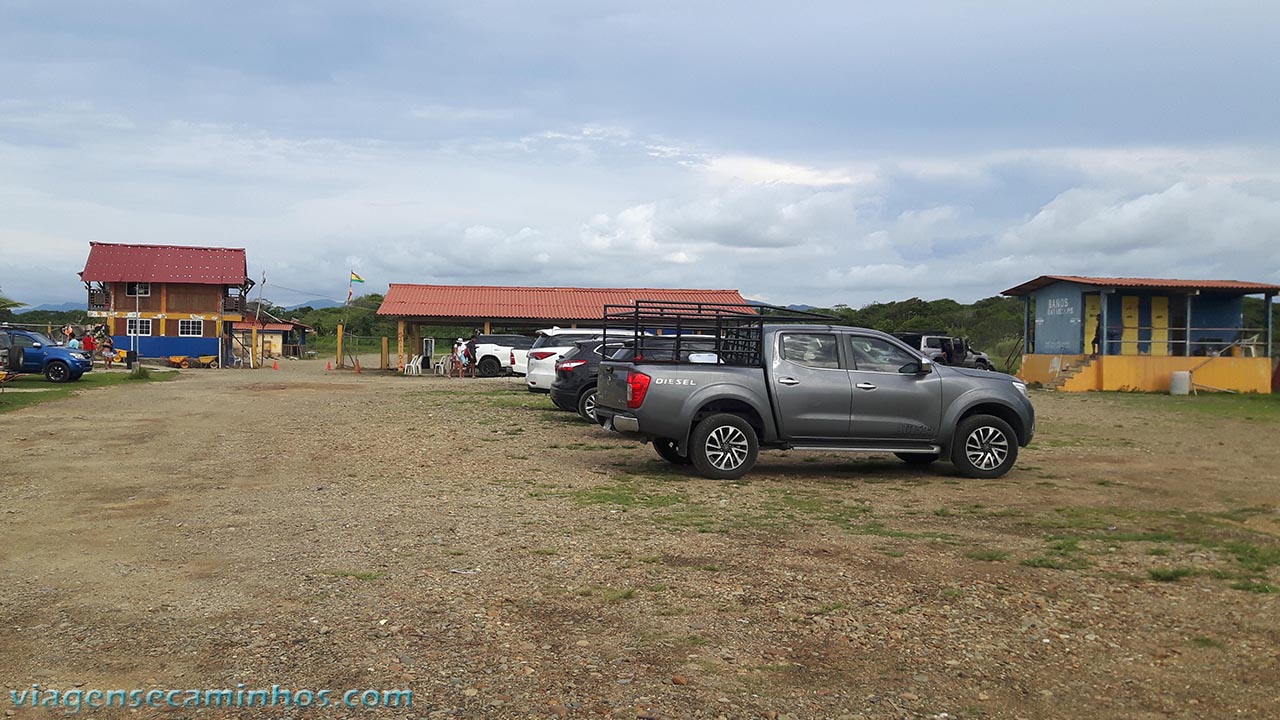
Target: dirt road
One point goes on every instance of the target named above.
(501, 559)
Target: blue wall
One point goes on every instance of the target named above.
(1059, 319)
(1216, 311)
(154, 347)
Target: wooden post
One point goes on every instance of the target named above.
(254, 351)
(1266, 305)
(164, 309)
(400, 345)
(339, 363)
(486, 327)
(385, 354)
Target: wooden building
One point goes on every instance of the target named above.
(165, 300)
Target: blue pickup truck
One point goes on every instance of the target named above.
(26, 351)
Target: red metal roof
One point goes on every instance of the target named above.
(111, 262)
(532, 303)
(1236, 287)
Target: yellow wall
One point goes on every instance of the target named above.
(1129, 333)
(1045, 369)
(1151, 373)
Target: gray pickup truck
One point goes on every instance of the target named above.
(807, 386)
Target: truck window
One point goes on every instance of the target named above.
(811, 350)
(876, 355)
(933, 342)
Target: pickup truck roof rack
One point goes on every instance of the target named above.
(737, 329)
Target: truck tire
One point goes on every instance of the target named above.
(667, 449)
(984, 447)
(723, 446)
(587, 404)
(489, 367)
(983, 365)
(15, 359)
(918, 458)
(57, 371)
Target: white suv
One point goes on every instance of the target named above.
(546, 351)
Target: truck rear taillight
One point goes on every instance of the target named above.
(570, 364)
(637, 388)
(513, 357)
(541, 354)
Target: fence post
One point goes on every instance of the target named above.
(386, 355)
(339, 362)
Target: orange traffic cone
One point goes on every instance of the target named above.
(275, 364)
(357, 366)
(328, 366)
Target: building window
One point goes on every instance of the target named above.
(191, 328)
(139, 326)
(137, 290)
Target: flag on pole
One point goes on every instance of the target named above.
(355, 277)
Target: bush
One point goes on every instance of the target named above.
(139, 373)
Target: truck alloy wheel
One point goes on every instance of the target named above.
(984, 447)
(57, 371)
(723, 446)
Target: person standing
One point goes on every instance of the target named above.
(89, 345)
(471, 354)
(108, 351)
(73, 343)
(460, 356)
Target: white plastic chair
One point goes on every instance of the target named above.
(414, 366)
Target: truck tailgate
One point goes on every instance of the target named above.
(611, 385)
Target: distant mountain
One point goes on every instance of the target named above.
(59, 307)
(800, 308)
(316, 304)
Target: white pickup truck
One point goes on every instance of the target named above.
(495, 353)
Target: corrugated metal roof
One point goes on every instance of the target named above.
(532, 303)
(112, 262)
(1231, 286)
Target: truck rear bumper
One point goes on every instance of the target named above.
(617, 421)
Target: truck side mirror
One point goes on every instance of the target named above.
(36, 346)
(923, 367)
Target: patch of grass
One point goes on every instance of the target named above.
(1158, 551)
(710, 567)
(828, 608)
(1250, 406)
(951, 593)
(54, 391)
(620, 595)
(627, 495)
(942, 512)
(1057, 562)
(987, 555)
(894, 553)
(1256, 587)
(357, 574)
(1170, 574)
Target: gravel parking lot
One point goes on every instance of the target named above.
(462, 539)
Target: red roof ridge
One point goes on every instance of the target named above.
(562, 287)
(165, 245)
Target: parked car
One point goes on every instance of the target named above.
(494, 353)
(540, 370)
(574, 388)
(935, 345)
(31, 352)
(975, 358)
(813, 387)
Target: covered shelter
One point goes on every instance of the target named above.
(1117, 333)
(274, 338)
(512, 307)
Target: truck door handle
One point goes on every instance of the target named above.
(865, 386)
(788, 381)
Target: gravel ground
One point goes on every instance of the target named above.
(462, 539)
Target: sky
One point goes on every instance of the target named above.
(802, 152)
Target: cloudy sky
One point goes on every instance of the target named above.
(817, 152)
